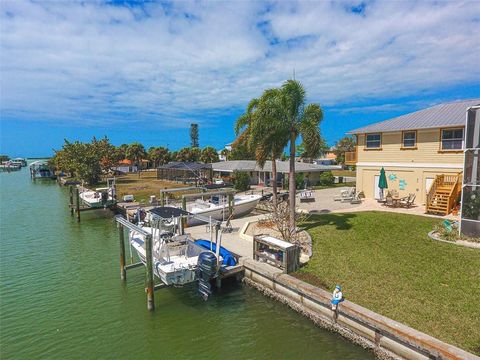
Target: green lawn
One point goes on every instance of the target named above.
(386, 263)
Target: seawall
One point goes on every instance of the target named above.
(385, 337)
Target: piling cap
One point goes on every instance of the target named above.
(338, 287)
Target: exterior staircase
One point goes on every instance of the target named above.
(443, 194)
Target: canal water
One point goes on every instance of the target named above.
(61, 297)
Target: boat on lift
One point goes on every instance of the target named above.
(101, 197)
(175, 256)
(41, 170)
(217, 207)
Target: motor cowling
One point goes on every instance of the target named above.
(207, 269)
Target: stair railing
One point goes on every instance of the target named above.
(453, 196)
(431, 193)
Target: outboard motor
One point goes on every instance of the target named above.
(207, 269)
(104, 195)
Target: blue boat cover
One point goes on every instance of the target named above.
(228, 258)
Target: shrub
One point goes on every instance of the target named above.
(299, 181)
(241, 180)
(327, 178)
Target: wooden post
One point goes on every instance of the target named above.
(121, 237)
(162, 198)
(70, 190)
(184, 208)
(230, 205)
(77, 196)
(149, 273)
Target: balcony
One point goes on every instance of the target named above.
(351, 158)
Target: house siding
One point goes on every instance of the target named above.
(416, 167)
(427, 151)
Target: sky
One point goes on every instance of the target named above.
(143, 71)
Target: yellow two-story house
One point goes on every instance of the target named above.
(421, 152)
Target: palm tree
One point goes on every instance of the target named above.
(136, 152)
(286, 118)
(266, 143)
(158, 155)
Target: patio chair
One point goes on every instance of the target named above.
(356, 199)
(345, 195)
(389, 201)
(408, 201)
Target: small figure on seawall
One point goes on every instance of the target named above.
(337, 297)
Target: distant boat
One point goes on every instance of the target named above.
(217, 207)
(98, 198)
(41, 170)
(19, 161)
(10, 166)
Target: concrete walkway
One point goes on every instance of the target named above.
(325, 203)
(231, 241)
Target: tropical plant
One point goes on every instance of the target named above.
(159, 155)
(226, 153)
(80, 160)
(209, 155)
(345, 144)
(241, 180)
(240, 151)
(4, 158)
(326, 178)
(287, 118)
(188, 154)
(136, 153)
(194, 136)
(266, 144)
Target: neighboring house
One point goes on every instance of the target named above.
(421, 152)
(259, 176)
(126, 166)
(227, 147)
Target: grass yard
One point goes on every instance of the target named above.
(144, 186)
(386, 263)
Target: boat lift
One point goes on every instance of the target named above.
(123, 223)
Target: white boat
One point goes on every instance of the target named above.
(175, 257)
(9, 166)
(41, 170)
(101, 197)
(98, 198)
(217, 207)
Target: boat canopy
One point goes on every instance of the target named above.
(166, 212)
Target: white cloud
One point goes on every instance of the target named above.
(95, 63)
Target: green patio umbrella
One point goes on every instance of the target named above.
(382, 182)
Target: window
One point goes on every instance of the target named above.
(373, 141)
(409, 139)
(452, 139)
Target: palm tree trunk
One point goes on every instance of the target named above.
(291, 182)
(274, 186)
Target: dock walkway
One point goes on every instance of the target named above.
(232, 241)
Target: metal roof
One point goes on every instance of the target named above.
(282, 166)
(186, 166)
(442, 115)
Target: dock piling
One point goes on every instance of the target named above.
(77, 196)
(121, 237)
(70, 190)
(149, 273)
